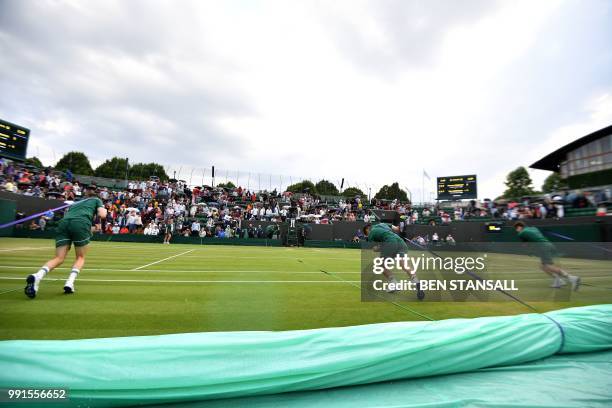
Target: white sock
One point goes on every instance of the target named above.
(42, 272)
(73, 275)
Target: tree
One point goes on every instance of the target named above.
(519, 184)
(553, 183)
(142, 171)
(391, 192)
(114, 168)
(229, 184)
(76, 162)
(34, 161)
(352, 192)
(325, 187)
(302, 186)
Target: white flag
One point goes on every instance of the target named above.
(426, 175)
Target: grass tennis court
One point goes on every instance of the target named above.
(134, 289)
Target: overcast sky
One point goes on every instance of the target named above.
(373, 91)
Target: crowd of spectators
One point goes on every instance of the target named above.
(540, 207)
(154, 207)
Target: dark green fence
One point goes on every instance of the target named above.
(8, 209)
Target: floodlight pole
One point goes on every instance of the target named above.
(409, 192)
(423, 188)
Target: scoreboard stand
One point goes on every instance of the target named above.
(13, 140)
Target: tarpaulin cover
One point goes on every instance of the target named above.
(199, 366)
(569, 380)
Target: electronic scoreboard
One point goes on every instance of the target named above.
(457, 187)
(13, 140)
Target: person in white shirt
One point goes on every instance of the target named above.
(195, 228)
(560, 210)
(131, 222)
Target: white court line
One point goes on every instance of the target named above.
(190, 281)
(170, 270)
(162, 260)
(203, 256)
(23, 249)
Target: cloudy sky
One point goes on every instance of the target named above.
(372, 91)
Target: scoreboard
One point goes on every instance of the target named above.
(457, 187)
(13, 140)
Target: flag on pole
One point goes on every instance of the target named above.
(426, 175)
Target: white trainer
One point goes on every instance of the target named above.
(31, 289)
(389, 290)
(69, 288)
(558, 282)
(575, 281)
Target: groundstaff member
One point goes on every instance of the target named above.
(546, 251)
(391, 246)
(74, 228)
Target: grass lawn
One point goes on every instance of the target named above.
(129, 289)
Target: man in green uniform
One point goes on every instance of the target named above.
(546, 251)
(271, 230)
(74, 228)
(391, 246)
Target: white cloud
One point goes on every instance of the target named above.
(370, 91)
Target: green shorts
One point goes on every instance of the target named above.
(74, 231)
(391, 249)
(547, 256)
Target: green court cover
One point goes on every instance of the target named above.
(204, 366)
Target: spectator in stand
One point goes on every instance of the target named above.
(445, 218)
(131, 222)
(458, 213)
(602, 210)
(195, 228)
(543, 210)
(560, 210)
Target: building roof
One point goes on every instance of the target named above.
(553, 160)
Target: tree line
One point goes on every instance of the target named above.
(325, 187)
(116, 168)
(120, 168)
(518, 182)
